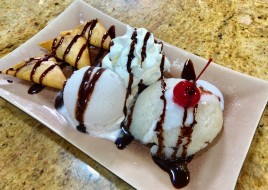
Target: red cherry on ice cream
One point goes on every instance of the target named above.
(185, 93)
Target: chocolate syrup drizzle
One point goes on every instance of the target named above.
(129, 70)
(143, 49)
(161, 43)
(79, 55)
(67, 50)
(188, 72)
(91, 25)
(159, 125)
(35, 88)
(126, 137)
(85, 92)
(87, 31)
(185, 133)
(88, 83)
(56, 45)
(176, 167)
(88, 27)
(111, 33)
(162, 64)
(30, 61)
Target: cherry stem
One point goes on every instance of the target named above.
(209, 61)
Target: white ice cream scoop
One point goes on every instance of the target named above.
(176, 131)
(93, 101)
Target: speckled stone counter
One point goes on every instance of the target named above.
(234, 33)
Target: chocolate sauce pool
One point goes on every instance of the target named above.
(59, 100)
(35, 88)
(177, 170)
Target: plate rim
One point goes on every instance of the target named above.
(82, 3)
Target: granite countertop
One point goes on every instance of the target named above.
(234, 33)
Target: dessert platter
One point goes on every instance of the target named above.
(137, 105)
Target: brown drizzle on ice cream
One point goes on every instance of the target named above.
(126, 138)
(185, 134)
(129, 60)
(176, 167)
(85, 92)
(143, 49)
(162, 64)
(159, 125)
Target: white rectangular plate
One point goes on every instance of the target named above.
(217, 168)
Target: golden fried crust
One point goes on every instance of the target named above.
(42, 70)
(94, 31)
(70, 48)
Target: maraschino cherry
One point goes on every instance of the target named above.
(185, 93)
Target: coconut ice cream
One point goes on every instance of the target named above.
(175, 130)
(93, 102)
